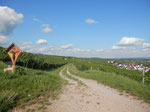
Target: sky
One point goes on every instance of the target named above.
(80, 28)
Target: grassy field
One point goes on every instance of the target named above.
(27, 85)
(122, 83)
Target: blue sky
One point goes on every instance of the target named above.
(83, 26)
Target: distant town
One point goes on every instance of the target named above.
(132, 66)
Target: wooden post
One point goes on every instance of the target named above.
(143, 76)
(14, 67)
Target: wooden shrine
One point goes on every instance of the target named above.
(13, 51)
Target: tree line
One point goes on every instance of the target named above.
(29, 60)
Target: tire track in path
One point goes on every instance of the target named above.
(93, 97)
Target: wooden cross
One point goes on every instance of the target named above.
(13, 52)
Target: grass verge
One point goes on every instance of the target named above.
(27, 86)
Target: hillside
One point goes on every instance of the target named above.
(37, 78)
(33, 81)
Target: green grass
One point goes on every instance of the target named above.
(105, 67)
(119, 82)
(26, 85)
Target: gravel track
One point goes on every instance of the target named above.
(94, 97)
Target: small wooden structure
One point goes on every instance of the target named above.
(13, 51)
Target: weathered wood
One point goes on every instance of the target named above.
(13, 51)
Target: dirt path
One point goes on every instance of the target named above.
(94, 97)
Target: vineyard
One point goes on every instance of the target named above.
(36, 75)
(102, 65)
(30, 60)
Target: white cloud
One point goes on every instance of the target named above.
(118, 47)
(35, 19)
(46, 28)
(146, 45)
(42, 49)
(130, 41)
(130, 47)
(99, 50)
(107, 53)
(90, 21)
(117, 51)
(41, 41)
(26, 45)
(80, 50)
(66, 46)
(9, 19)
(3, 40)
